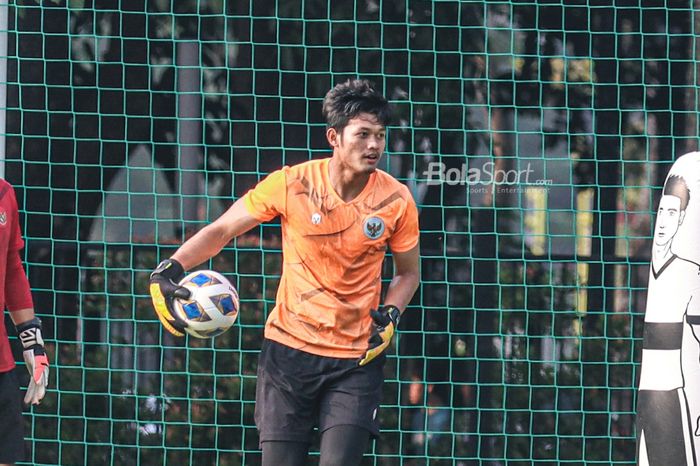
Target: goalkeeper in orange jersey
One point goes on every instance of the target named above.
(323, 355)
(15, 295)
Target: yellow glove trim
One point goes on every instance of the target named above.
(372, 353)
(162, 310)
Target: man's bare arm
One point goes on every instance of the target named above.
(211, 239)
(406, 278)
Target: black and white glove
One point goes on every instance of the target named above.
(386, 319)
(35, 358)
(164, 288)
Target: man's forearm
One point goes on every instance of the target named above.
(205, 244)
(211, 239)
(401, 290)
(22, 315)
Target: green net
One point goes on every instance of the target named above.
(533, 135)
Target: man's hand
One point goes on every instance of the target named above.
(164, 288)
(386, 319)
(35, 358)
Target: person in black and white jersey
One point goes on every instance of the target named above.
(664, 425)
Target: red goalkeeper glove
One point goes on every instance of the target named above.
(35, 358)
(164, 289)
(386, 319)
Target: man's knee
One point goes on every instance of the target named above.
(343, 445)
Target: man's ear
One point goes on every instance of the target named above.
(681, 216)
(333, 137)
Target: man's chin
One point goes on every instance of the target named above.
(368, 169)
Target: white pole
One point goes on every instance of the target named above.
(189, 127)
(4, 13)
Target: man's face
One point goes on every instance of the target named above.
(668, 219)
(360, 145)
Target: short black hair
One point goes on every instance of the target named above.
(676, 186)
(348, 99)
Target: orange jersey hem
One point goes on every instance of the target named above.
(272, 333)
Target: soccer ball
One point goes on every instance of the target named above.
(212, 307)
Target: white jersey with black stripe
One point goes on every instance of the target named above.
(673, 294)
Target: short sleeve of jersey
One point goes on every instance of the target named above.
(268, 198)
(406, 234)
(693, 310)
(16, 242)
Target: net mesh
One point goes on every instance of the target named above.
(533, 135)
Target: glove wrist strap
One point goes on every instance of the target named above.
(29, 333)
(169, 268)
(394, 313)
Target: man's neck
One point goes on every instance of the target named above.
(347, 184)
(661, 255)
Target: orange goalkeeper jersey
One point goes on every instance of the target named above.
(333, 253)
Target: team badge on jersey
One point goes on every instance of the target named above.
(3, 217)
(316, 218)
(373, 227)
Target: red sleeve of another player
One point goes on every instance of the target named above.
(16, 241)
(17, 292)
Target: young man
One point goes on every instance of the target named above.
(322, 359)
(664, 428)
(15, 295)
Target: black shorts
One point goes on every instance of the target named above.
(12, 424)
(297, 391)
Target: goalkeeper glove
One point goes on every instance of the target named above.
(386, 319)
(164, 288)
(35, 358)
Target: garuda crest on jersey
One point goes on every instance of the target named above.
(373, 227)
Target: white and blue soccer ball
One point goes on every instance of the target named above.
(212, 307)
